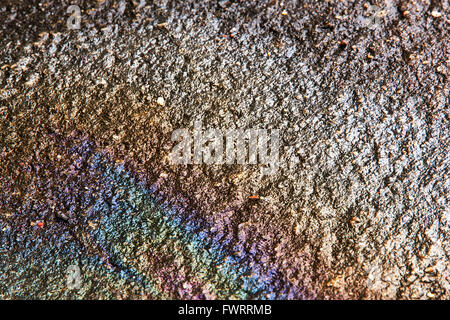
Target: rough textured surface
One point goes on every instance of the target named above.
(358, 209)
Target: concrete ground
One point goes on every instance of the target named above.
(358, 208)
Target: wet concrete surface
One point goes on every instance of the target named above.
(358, 208)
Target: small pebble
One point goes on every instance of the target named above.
(161, 101)
(436, 14)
